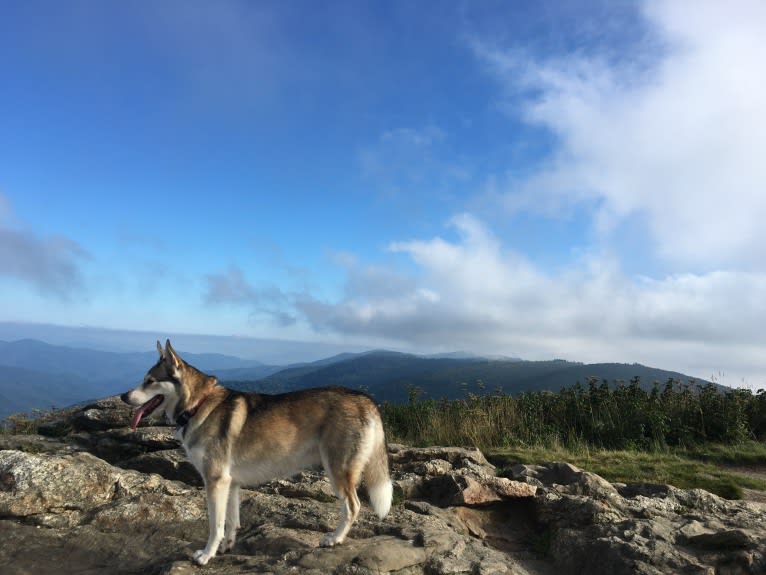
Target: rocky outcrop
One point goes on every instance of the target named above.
(93, 497)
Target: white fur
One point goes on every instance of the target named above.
(381, 494)
(142, 394)
(380, 497)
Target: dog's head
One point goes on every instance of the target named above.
(162, 389)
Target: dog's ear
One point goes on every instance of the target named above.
(159, 348)
(173, 359)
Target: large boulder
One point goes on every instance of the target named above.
(643, 529)
(66, 491)
(107, 413)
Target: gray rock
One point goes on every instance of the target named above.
(104, 498)
(122, 443)
(36, 444)
(455, 489)
(169, 463)
(107, 413)
(67, 491)
(411, 458)
(565, 478)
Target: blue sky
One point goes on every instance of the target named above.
(552, 179)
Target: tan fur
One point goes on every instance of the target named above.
(236, 439)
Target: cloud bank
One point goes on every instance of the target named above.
(471, 293)
(672, 134)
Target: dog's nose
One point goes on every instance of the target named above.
(124, 397)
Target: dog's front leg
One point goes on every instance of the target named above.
(217, 490)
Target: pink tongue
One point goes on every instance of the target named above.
(137, 417)
(148, 406)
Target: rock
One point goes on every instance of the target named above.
(411, 458)
(382, 554)
(454, 489)
(117, 445)
(36, 444)
(648, 534)
(565, 478)
(54, 491)
(452, 476)
(169, 463)
(722, 540)
(108, 413)
(102, 497)
(310, 484)
(55, 428)
(435, 467)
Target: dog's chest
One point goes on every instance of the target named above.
(195, 454)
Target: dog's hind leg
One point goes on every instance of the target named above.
(217, 491)
(349, 508)
(232, 519)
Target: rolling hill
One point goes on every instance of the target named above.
(388, 376)
(34, 374)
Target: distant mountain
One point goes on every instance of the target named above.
(23, 389)
(269, 351)
(367, 371)
(469, 355)
(389, 376)
(34, 374)
(241, 373)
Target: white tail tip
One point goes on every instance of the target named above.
(380, 497)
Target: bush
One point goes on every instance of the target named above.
(601, 415)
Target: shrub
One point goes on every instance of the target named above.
(602, 415)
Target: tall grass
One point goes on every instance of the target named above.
(598, 415)
(30, 423)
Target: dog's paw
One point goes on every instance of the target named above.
(227, 544)
(330, 540)
(200, 557)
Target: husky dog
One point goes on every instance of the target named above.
(236, 438)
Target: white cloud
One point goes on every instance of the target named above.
(472, 294)
(233, 288)
(50, 264)
(674, 134)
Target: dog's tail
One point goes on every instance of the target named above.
(376, 475)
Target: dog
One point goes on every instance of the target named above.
(234, 438)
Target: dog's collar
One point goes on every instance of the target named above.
(183, 419)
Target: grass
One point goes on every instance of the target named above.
(683, 434)
(703, 467)
(745, 454)
(30, 423)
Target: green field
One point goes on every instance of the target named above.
(682, 468)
